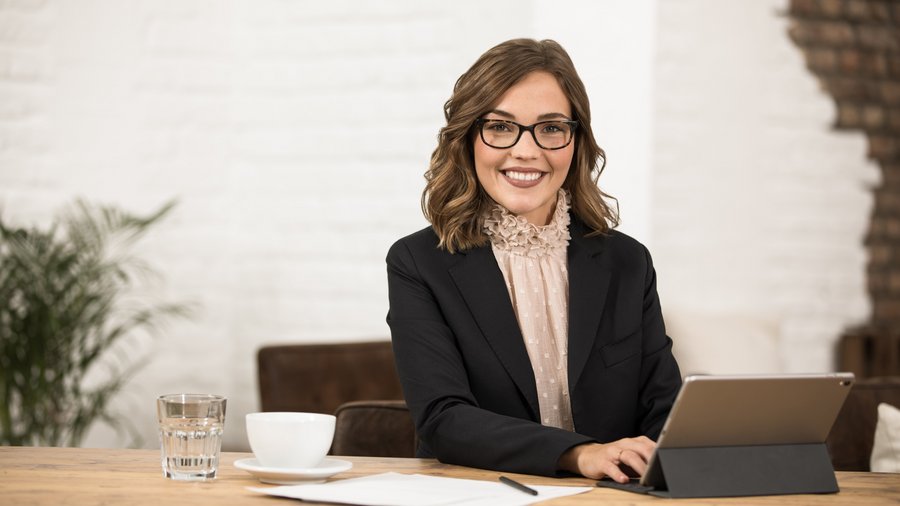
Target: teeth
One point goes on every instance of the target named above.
(523, 176)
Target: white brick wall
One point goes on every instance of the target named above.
(759, 210)
(295, 134)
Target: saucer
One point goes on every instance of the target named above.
(293, 476)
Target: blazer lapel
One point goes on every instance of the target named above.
(481, 284)
(588, 287)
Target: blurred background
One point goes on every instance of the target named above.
(294, 136)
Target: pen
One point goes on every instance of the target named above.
(518, 486)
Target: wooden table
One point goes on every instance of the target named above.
(75, 476)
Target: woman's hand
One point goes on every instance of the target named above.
(595, 460)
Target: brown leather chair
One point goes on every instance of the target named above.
(320, 378)
(853, 434)
(375, 429)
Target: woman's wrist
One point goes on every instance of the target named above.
(568, 461)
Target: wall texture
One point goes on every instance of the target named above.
(853, 47)
(760, 207)
(294, 135)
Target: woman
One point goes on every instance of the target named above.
(527, 333)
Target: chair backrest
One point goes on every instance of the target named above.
(374, 429)
(320, 377)
(853, 434)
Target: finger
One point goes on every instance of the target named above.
(613, 452)
(635, 461)
(611, 469)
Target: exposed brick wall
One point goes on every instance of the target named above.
(853, 47)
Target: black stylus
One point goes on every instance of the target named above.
(518, 486)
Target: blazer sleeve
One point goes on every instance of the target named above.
(660, 377)
(450, 424)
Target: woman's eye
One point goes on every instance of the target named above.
(498, 127)
(552, 128)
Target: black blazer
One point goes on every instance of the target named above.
(466, 374)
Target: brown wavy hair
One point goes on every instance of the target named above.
(453, 200)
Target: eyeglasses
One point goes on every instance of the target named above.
(502, 134)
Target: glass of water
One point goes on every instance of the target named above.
(190, 435)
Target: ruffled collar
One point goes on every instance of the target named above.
(515, 234)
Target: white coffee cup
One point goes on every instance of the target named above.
(290, 440)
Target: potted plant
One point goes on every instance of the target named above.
(67, 297)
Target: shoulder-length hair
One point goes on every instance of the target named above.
(453, 200)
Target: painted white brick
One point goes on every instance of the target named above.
(295, 135)
(760, 210)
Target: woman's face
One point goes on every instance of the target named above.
(525, 178)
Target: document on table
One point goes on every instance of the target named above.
(395, 489)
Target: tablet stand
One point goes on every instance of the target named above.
(731, 471)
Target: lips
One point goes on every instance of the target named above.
(523, 178)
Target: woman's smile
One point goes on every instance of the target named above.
(521, 177)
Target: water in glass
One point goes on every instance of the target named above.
(190, 448)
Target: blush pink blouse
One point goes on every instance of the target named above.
(533, 261)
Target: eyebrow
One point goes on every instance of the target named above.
(545, 116)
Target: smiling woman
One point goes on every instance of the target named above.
(527, 333)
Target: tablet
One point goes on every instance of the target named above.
(712, 411)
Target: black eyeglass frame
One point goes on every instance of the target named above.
(479, 123)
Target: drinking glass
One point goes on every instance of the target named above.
(190, 435)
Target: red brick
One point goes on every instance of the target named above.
(804, 8)
(848, 116)
(878, 38)
(822, 33)
(887, 202)
(886, 311)
(873, 117)
(874, 236)
(877, 65)
(880, 11)
(890, 93)
(880, 255)
(821, 60)
(858, 10)
(878, 285)
(883, 147)
(796, 32)
(831, 8)
(847, 89)
(894, 119)
(877, 272)
(894, 282)
(890, 176)
(802, 34)
(850, 61)
(893, 64)
(868, 10)
(891, 202)
(892, 228)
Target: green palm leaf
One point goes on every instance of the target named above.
(66, 299)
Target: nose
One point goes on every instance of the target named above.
(526, 148)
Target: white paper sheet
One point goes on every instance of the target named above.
(395, 489)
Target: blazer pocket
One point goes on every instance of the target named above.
(622, 349)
